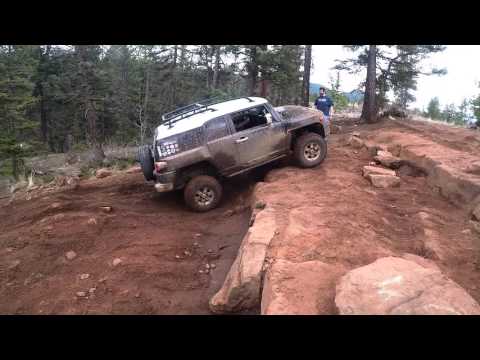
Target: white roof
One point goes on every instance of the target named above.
(199, 119)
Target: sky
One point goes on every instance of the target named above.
(461, 81)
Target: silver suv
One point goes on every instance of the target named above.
(197, 146)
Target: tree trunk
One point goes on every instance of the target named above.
(216, 68)
(253, 70)
(15, 167)
(143, 125)
(369, 110)
(306, 76)
(183, 53)
(43, 107)
(174, 76)
(175, 54)
(43, 116)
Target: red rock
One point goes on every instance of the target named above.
(241, 289)
(384, 181)
(134, 170)
(71, 255)
(306, 288)
(476, 212)
(102, 173)
(396, 286)
(355, 142)
(387, 159)
(367, 170)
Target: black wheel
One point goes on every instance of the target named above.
(146, 162)
(310, 150)
(202, 193)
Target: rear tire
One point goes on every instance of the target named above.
(146, 162)
(310, 150)
(202, 193)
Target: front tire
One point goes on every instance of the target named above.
(203, 193)
(310, 150)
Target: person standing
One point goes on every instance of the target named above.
(324, 104)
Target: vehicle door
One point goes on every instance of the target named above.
(257, 135)
(220, 143)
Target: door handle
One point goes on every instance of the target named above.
(242, 139)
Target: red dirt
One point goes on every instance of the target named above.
(145, 230)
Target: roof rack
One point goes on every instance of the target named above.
(195, 108)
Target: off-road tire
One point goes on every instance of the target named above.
(310, 150)
(202, 193)
(146, 162)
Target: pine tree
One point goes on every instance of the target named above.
(475, 103)
(17, 65)
(306, 75)
(396, 68)
(369, 109)
(433, 109)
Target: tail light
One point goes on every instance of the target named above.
(160, 165)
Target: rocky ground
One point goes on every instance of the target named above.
(327, 221)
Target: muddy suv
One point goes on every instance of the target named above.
(197, 146)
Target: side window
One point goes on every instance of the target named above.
(216, 128)
(250, 118)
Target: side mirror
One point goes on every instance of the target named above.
(269, 118)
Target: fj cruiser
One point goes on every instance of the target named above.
(198, 145)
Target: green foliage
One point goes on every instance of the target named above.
(433, 109)
(17, 64)
(338, 98)
(398, 68)
(63, 98)
(450, 113)
(475, 103)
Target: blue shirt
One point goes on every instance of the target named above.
(324, 103)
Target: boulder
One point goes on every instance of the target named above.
(373, 148)
(394, 111)
(241, 288)
(134, 170)
(387, 159)
(335, 129)
(306, 288)
(473, 168)
(375, 170)
(397, 286)
(70, 255)
(355, 142)
(384, 181)
(102, 173)
(475, 226)
(476, 212)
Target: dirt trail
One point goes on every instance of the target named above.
(145, 230)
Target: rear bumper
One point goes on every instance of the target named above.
(165, 181)
(163, 187)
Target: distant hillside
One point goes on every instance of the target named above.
(352, 96)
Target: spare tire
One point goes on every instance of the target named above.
(146, 162)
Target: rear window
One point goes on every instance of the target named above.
(216, 128)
